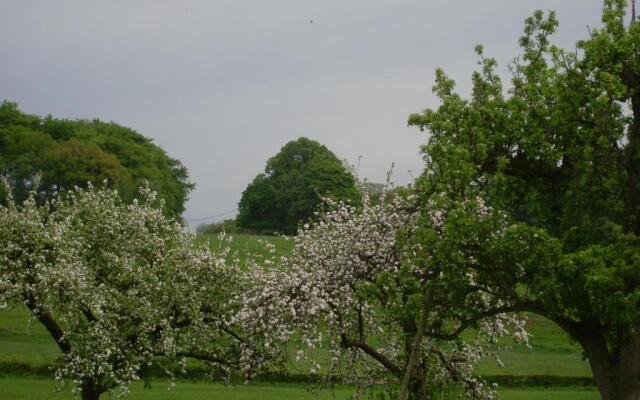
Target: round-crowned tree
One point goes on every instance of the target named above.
(292, 187)
(66, 153)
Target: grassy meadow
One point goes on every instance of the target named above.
(243, 245)
(18, 388)
(24, 341)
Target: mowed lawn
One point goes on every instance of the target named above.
(551, 352)
(24, 339)
(19, 388)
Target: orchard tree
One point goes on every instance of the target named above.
(387, 305)
(67, 153)
(119, 287)
(292, 186)
(559, 155)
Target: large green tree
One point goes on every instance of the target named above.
(559, 155)
(67, 153)
(292, 187)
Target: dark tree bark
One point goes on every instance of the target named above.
(616, 369)
(617, 375)
(90, 391)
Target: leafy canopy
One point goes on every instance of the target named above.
(292, 187)
(69, 153)
(559, 154)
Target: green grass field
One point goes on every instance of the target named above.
(25, 340)
(244, 245)
(551, 353)
(14, 388)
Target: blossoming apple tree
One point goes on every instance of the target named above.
(385, 296)
(119, 287)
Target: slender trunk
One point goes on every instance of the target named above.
(424, 386)
(417, 391)
(409, 384)
(48, 321)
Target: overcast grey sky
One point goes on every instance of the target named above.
(223, 85)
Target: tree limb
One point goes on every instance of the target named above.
(370, 351)
(49, 323)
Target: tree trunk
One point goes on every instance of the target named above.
(416, 390)
(618, 385)
(617, 372)
(626, 381)
(411, 383)
(90, 391)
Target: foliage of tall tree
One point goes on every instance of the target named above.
(292, 186)
(119, 287)
(559, 155)
(71, 153)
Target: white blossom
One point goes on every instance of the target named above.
(119, 286)
(358, 276)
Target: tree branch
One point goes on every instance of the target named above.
(206, 357)
(47, 320)
(225, 329)
(371, 352)
(465, 324)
